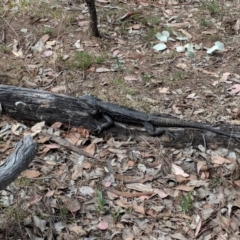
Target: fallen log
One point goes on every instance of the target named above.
(36, 105)
(18, 161)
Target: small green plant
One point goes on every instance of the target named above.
(153, 20)
(215, 182)
(123, 28)
(137, 17)
(205, 23)
(82, 60)
(169, 29)
(129, 210)
(186, 202)
(48, 30)
(116, 215)
(24, 3)
(22, 182)
(56, 13)
(117, 81)
(131, 92)
(213, 7)
(180, 75)
(119, 64)
(150, 35)
(145, 77)
(5, 49)
(99, 59)
(15, 213)
(64, 212)
(100, 202)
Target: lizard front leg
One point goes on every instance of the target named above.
(152, 131)
(104, 126)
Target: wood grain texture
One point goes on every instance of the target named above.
(36, 105)
(18, 161)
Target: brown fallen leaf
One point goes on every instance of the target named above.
(139, 208)
(184, 188)
(128, 194)
(31, 173)
(43, 139)
(90, 149)
(73, 205)
(56, 125)
(77, 229)
(220, 160)
(127, 179)
(66, 144)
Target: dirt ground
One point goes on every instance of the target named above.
(136, 189)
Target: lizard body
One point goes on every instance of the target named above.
(151, 122)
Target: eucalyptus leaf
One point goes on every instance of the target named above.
(174, 33)
(180, 48)
(163, 37)
(218, 46)
(190, 50)
(189, 54)
(189, 47)
(165, 33)
(160, 47)
(182, 38)
(171, 39)
(198, 46)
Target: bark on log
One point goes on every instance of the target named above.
(35, 105)
(18, 161)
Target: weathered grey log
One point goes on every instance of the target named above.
(18, 161)
(36, 105)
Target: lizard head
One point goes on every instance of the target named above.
(90, 100)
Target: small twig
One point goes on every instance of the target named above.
(66, 144)
(10, 27)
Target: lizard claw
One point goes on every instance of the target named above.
(171, 135)
(97, 130)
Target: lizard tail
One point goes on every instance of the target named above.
(181, 123)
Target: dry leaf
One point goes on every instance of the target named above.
(225, 77)
(73, 205)
(56, 125)
(220, 160)
(90, 149)
(163, 90)
(43, 139)
(139, 208)
(184, 188)
(182, 66)
(77, 229)
(139, 187)
(38, 127)
(235, 89)
(130, 78)
(50, 193)
(52, 146)
(160, 193)
(31, 174)
(87, 165)
(178, 171)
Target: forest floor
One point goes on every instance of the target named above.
(48, 45)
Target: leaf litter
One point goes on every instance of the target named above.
(83, 187)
